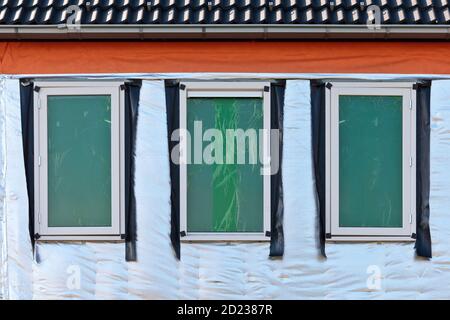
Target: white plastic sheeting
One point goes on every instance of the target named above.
(3, 269)
(17, 254)
(220, 271)
(230, 75)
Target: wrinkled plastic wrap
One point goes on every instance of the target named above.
(16, 246)
(235, 75)
(221, 271)
(3, 270)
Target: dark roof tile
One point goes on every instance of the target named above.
(443, 16)
(49, 12)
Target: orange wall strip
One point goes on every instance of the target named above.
(63, 57)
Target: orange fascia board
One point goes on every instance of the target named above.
(68, 57)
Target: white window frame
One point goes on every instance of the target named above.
(117, 229)
(233, 89)
(333, 230)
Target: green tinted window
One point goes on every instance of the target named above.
(79, 161)
(225, 197)
(370, 161)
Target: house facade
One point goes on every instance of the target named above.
(240, 149)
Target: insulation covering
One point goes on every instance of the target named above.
(220, 270)
(3, 253)
(232, 76)
(18, 254)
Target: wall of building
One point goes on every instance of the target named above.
(64, 57)
(221, 270)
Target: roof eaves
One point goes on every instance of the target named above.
(207, 32)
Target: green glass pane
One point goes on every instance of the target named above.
(79, 161)
(370, 161)
(228, 196)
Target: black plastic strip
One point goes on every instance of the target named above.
(132, 92)
(27, 118)
(318, 149)
(423, 235)
(173, 123)
(277, 91)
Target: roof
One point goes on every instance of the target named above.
(233, 14)
(224, 11)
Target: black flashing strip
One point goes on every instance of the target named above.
(25, 82)
(173, 123)
(131, 94)
(421, 84)
(317, 83)
(27, 116)
(422, 232)
(277, 93)
(318, 92)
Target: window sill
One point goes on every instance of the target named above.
(51, 238)
(225, 237)
(370, 239)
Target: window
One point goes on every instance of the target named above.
(79, 164)
(370, 161)
(224, 194)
